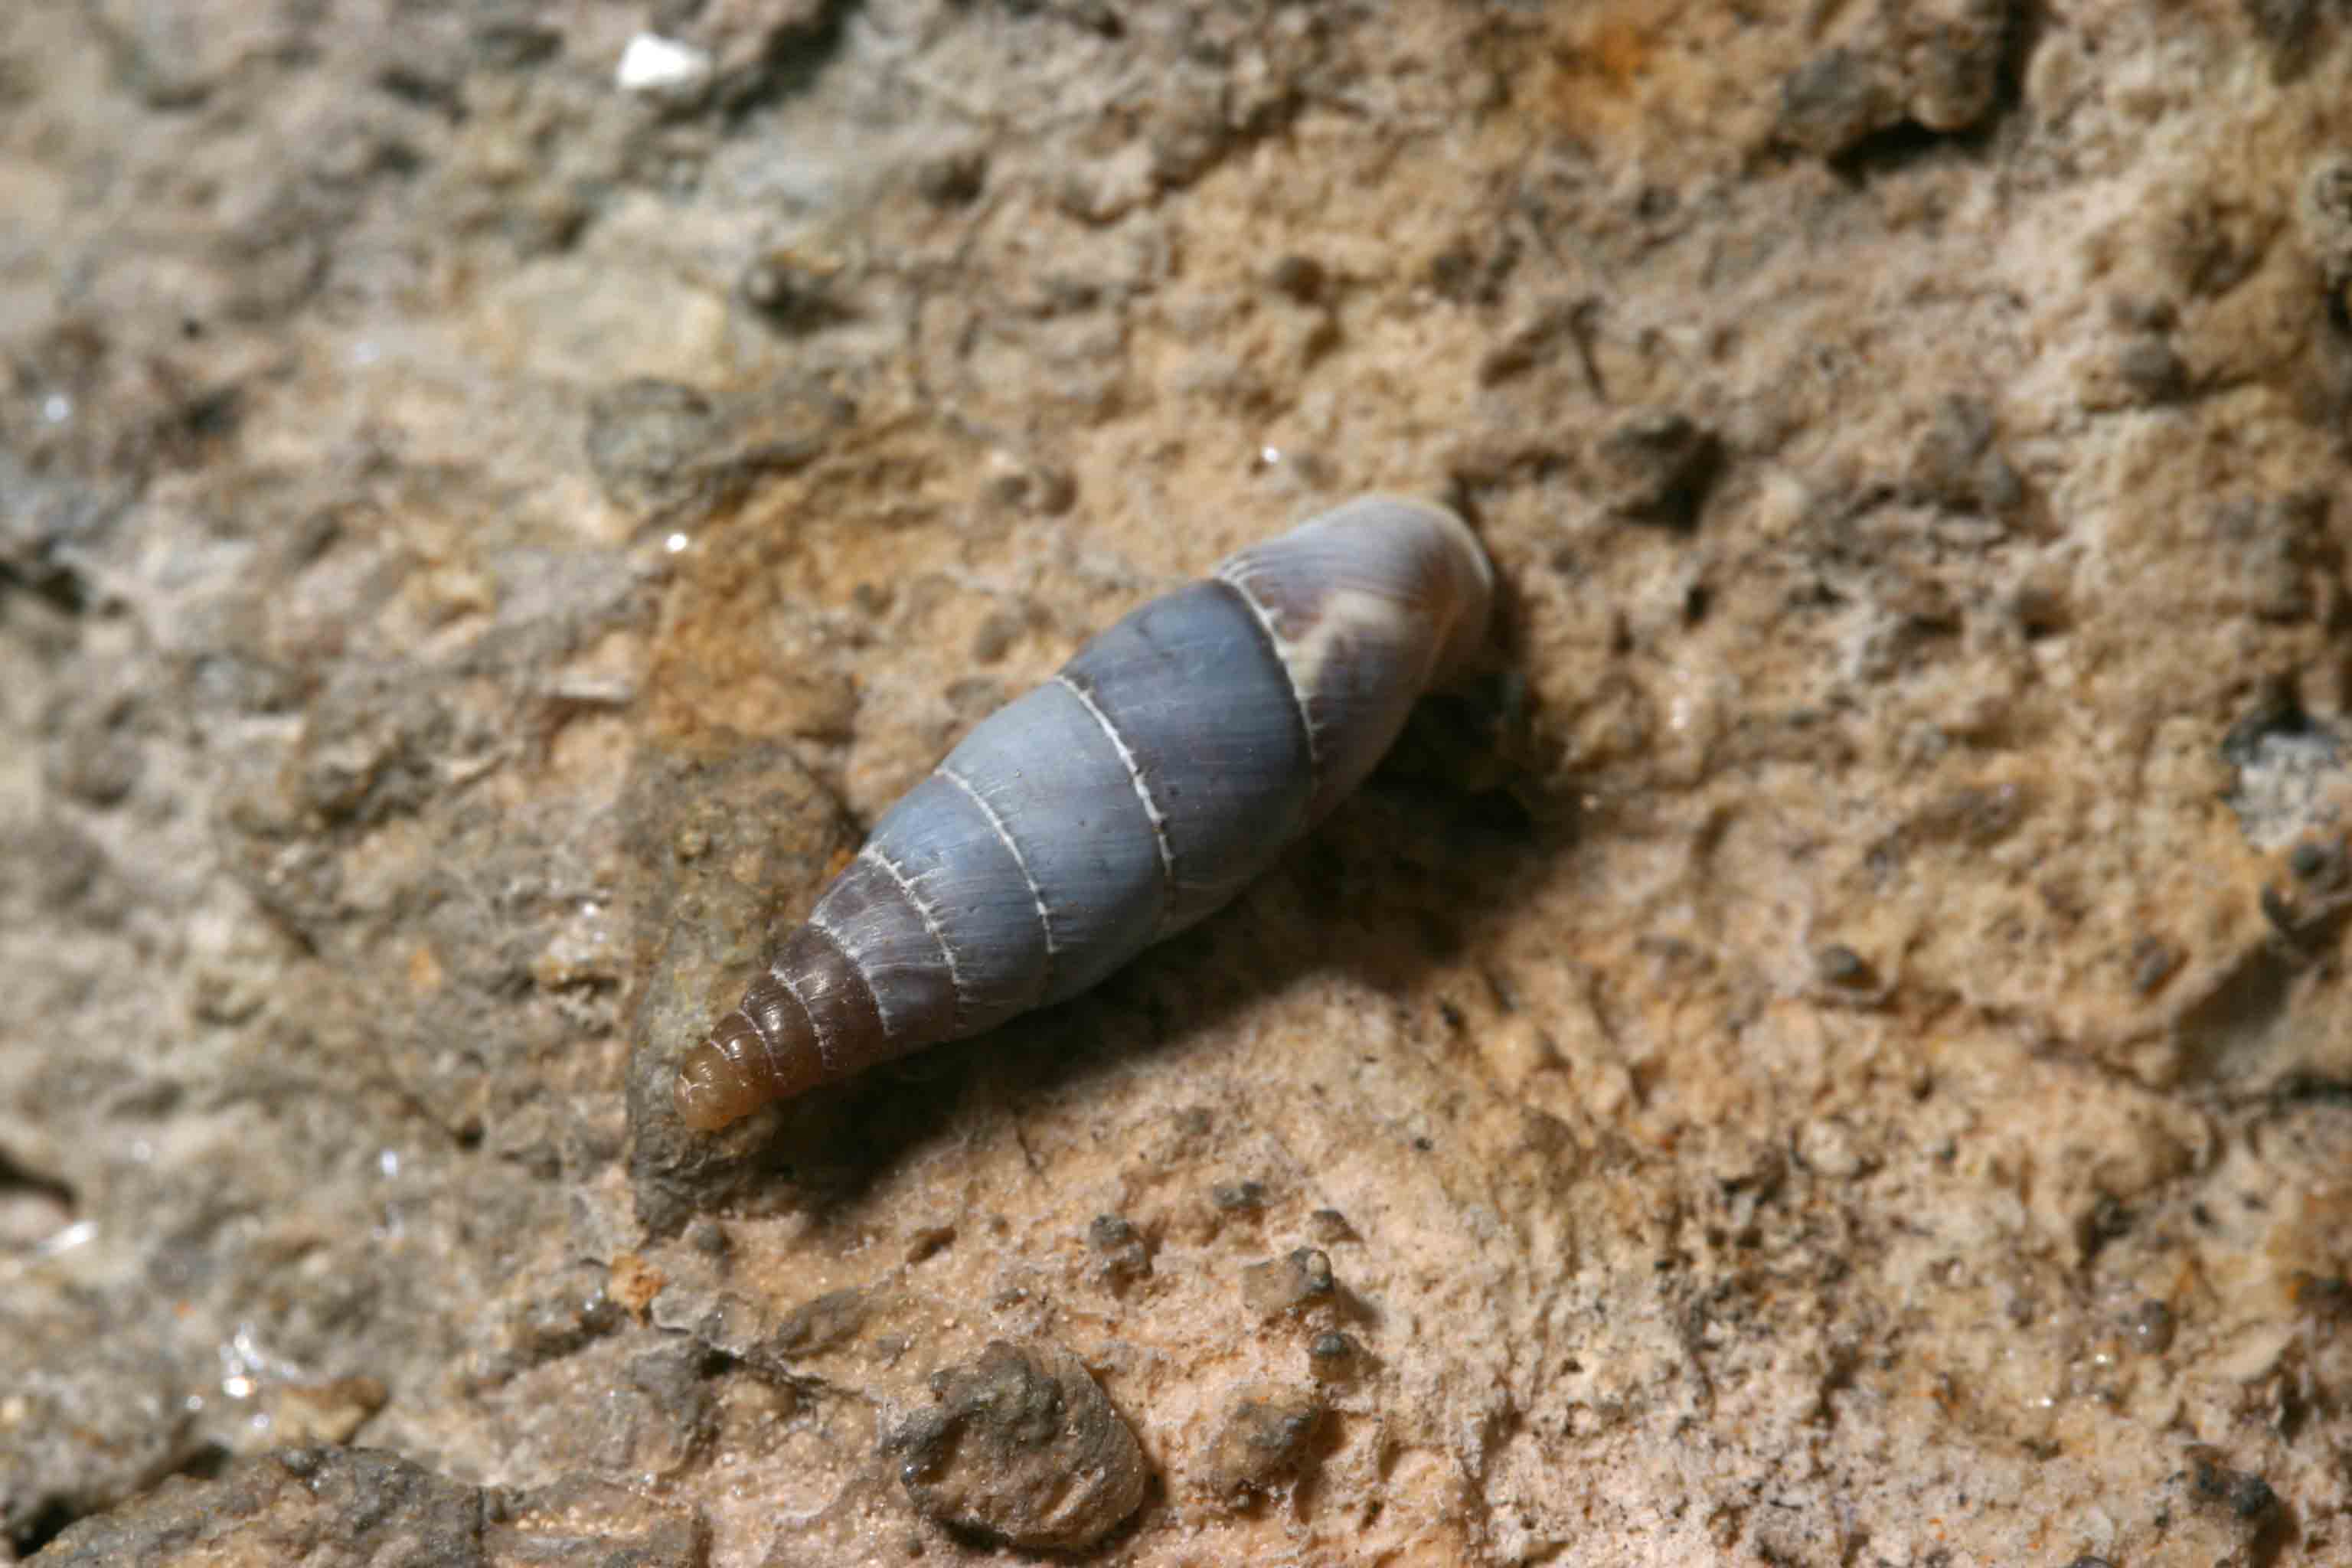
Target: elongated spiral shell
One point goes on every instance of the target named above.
(1166, 765)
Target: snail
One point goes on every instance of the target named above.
(1165, 765)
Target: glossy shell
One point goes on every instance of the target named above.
(1137, 790)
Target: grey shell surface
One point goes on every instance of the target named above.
(1137, 790)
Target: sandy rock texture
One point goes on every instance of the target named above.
(1840, 1052)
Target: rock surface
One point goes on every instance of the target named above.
(1265, 1433)
(318, 1506)
(1022, 1447)
(1841, 1052)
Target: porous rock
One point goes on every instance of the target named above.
(1283, 1284)
(420, 480)
(315, 1505)
(1022, 1445)
(1265, 1433)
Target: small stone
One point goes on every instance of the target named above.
(1281, 1284)
(2316, 864)
(1835, 101)
(2151, 1325)
(2241, 1492)
(2041, 607)
(1023, 1447)
(1959, 464)
(1238, 1198)
(1124, 1254)
(994, 637)
(2103, 1222)
(645, 437)
(2154, 961)
(1300, 278)
(793, 289)
(312, 1412)
(1107, 189)
(653, 64)
(952, 179)
(1840, 966)
(1021, 484)
(1333, 1354)
(1265, 1433)
(634, 1282)
(924, 1240)
(828, 1322)
(2152, 370)
(315, 1503)
(1829, 1150)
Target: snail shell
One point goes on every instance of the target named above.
(1164, 767)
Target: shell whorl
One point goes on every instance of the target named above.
(1131, 795)
(1349, 598)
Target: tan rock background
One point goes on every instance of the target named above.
(1842, 1055)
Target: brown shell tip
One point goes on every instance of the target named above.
(709, 1093)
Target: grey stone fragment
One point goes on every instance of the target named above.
(1125, 1254)
(94, 1415)
(1333, 1354)
(1281, 1284)
(2241, 1495)
(813, 1328)
(1834, 100)
(1936, 65)
(299, 1505)
(1959, 463)
(645, 439)
(669, 454)
(2152, 370)
(333, 1506)
(1023, 1446)
(1265, 1433)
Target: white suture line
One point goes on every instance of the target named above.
(1135, 776)
(816, 1026)
(856, 961)
(930, 921)
(1020, 863)
(1234, 574)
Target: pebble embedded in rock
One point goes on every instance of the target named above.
(1264, 1432)
(1125, 1254)
(827, 1323)
(1279, 1284)
(1834, 100)
(1333, 1354)
(314, 1504)
(1238, 1198)
(1022, 1445)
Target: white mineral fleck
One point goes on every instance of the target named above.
(655, 63)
